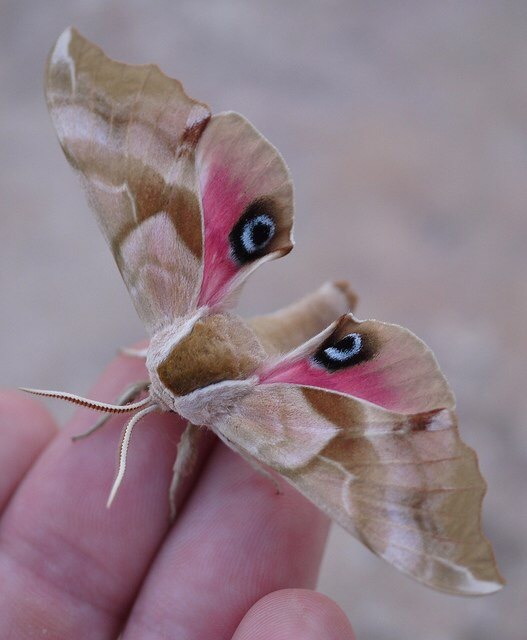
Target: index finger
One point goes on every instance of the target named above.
(25, 429)
(67, 564)
(235, 542)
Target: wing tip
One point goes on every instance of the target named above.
(480, 578)
(70, 42)
(478, 588)
(347, 291)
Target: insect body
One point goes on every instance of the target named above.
(219, 351)
(355, 414)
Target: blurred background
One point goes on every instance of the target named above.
(404, 125)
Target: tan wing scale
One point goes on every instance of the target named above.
(130, 132)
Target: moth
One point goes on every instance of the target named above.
(355, 414)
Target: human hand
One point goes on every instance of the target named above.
(239, 560)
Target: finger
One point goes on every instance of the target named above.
(294, 613)
(236, 541)
(25, 429)
(67, 564)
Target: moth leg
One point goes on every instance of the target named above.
(133, 353)
(131, 393)
(193, 448)
(284, 330)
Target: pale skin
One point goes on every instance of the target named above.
(240, 562)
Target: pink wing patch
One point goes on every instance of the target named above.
(382, 363)
(247, 199)
(364, 381)
(224, 201)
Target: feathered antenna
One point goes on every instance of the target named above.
(123, 449)
(143, 407)
(89, 404)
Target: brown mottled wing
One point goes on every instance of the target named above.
(131, 132)
(405, 485)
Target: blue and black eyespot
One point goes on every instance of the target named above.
(350, 350)
(253, 233)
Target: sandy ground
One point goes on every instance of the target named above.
(404, 127)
